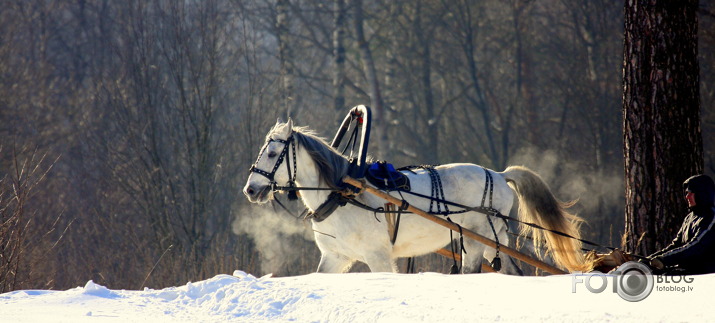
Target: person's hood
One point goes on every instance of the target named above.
(703, 188)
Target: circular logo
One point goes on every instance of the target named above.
(634, 281)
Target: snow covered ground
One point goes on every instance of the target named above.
(368, 297)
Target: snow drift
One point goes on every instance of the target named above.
(364, 297)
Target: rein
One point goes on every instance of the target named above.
(495, 213)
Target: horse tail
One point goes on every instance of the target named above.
(538, 205)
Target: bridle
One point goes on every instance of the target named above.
(334, 200)
(292, 195)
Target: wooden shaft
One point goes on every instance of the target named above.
(486, 268)
(448, 253)
(466, 232)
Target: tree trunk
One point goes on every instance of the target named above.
(339, 56)
(423, 32)
(371, 75)
(661, 109)
(285, 55)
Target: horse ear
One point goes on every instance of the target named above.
(288, 129)
(278, 121)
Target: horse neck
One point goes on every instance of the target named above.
(308, 175)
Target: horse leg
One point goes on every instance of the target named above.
(472, 257)
(380, 262)
(489, 255)
(508, 264)
(331, 262)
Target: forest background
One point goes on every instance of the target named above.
(127, 127)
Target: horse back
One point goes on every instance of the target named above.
(461, 183)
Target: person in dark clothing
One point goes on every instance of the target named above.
(693, 249)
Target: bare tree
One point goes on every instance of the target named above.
(163, 133)
(21, 240)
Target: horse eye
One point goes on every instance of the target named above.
(272, 154)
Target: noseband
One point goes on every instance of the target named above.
(284, 155)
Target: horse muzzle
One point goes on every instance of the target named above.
(257, 194)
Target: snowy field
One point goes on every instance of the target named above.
(368, 297)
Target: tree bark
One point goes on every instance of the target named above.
(285, 55)
(339, 56)
(661, 110)
(371, 74)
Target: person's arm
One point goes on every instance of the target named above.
(677, 242)
(691, 251)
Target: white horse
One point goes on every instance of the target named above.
(353, 234)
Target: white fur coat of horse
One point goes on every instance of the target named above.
(353, 234)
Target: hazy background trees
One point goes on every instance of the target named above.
(154, 110)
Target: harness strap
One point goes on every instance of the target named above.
(334, 200)
(292, 194)
(301, 215)
(393, 221)
(452, 244)
(489, 185)
(436, 197)
(496, 262)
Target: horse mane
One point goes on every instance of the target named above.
(332, 165)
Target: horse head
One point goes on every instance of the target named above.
(267, 172)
